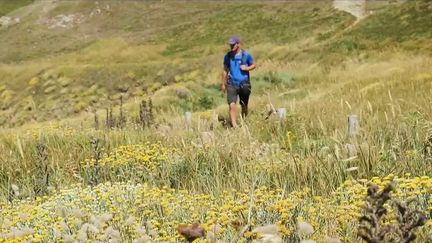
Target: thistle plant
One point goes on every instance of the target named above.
(42, 175)
(109, 121)
(146, 117)
(97, 155)
(122, 118)
(373, 230)
(408, 219)
(96, 121)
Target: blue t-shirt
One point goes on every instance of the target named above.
(235, 75)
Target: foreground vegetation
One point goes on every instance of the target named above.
(76, 171)
(140, 213)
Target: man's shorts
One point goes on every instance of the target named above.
(242, 92)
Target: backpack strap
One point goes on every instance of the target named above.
(243, 59)
(244, 62)
(231, 55)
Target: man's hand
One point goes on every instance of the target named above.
(244, 68)
(223, 88)
(247, 68)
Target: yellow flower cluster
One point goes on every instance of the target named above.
(127, 212)
(139, 156)
(52, 130)
(267, 166)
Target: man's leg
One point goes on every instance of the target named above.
(233, 114)
(232, 93)
(244, 94)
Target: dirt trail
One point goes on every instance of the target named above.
(355, 7)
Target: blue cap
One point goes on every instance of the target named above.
(234, 40)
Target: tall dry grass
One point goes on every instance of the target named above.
(308, 148)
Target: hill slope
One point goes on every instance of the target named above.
(67, 57)
(7, 6)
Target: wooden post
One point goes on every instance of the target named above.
(281, 112)
(188, 119)
(351, 150)
(353, 125)
(353, 130)
(207, 138)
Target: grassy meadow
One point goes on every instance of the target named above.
(95, 146)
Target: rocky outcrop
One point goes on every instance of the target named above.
(73, 19)
(8, 21)
(354, 7)
(63, 21)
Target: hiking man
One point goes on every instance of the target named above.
(236, 79)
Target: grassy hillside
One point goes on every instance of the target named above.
(402, 26)
(7, 6)
(63, 71)
(55, 72)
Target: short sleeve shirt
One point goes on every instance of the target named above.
(233, 62)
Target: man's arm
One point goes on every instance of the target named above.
(248, 68)
(225, 73)
(251, 67)
(224, 79)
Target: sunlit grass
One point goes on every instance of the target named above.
(139, 183)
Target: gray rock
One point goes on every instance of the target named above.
(8, 21)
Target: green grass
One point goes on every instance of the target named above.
(123, 50)
(407, 25)
(269, 24)
(7, 6)
(156, 48)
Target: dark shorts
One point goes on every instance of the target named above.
(242, 92)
